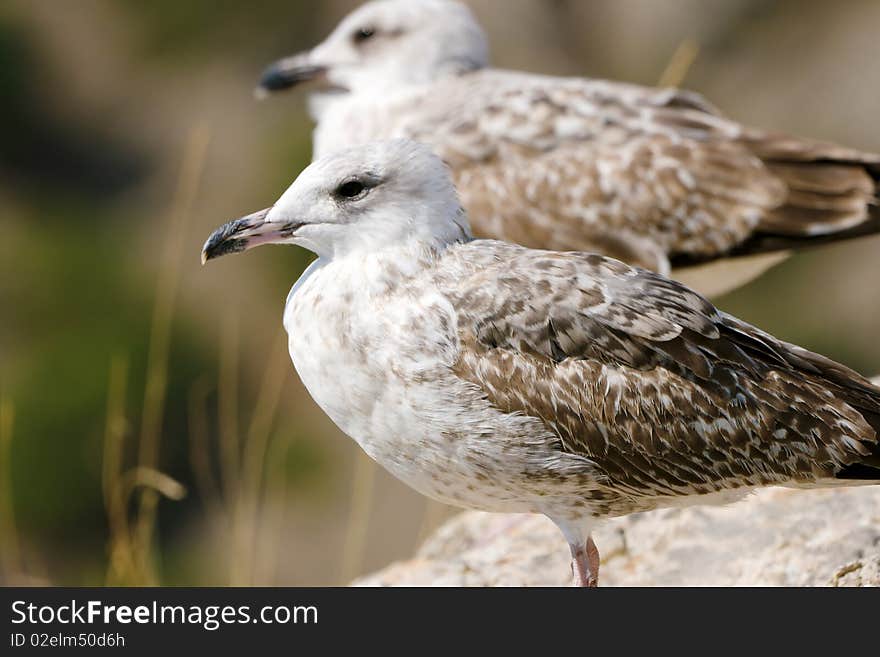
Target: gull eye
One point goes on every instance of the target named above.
(363, 34)
(351, 189)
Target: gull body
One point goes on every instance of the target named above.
(492, 376)
(654, 177)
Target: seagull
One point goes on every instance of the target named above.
(655, 177)
(491, 376)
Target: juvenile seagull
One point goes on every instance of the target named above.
(492, 376)
(654, 177)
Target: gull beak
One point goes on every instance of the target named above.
(287, 73)
(245, 233)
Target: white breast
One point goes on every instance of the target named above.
(379, 367)
(318, 319)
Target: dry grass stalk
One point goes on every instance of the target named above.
(227, 410)
(121, 557)
(274, 488)
(244, 484)
(200, 448)
(254, 459)
(160, 336)
(679, 64)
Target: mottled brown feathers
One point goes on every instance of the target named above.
(650, 176)
(667, 395)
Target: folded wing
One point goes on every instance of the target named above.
(655, 177)
(667, 395)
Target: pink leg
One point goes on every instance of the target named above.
(585, 564)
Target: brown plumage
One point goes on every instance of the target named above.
(831, 195)
(493, 376)
(667, 396)
(654, 177)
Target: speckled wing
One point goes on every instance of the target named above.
(649, 176)
(667, 395)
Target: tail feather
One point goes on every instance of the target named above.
(768, 242)
(861, 472)
(859, 393)
(867, 468)
(834, 194)
(822, 199)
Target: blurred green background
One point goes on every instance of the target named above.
(151, 427)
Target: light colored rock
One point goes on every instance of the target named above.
(775, 537)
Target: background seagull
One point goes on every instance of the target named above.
(492, 376)
(654, 177)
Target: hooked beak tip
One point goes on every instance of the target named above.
(239, 235)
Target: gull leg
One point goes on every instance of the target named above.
(584, 554)
(585, 564)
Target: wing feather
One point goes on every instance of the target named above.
(666, 394)
(654, 177)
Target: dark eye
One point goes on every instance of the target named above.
(363, 34)
(350, 189)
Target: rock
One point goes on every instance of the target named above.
(775, 537)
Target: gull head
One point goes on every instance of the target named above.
(364, 199)
(384, 44)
